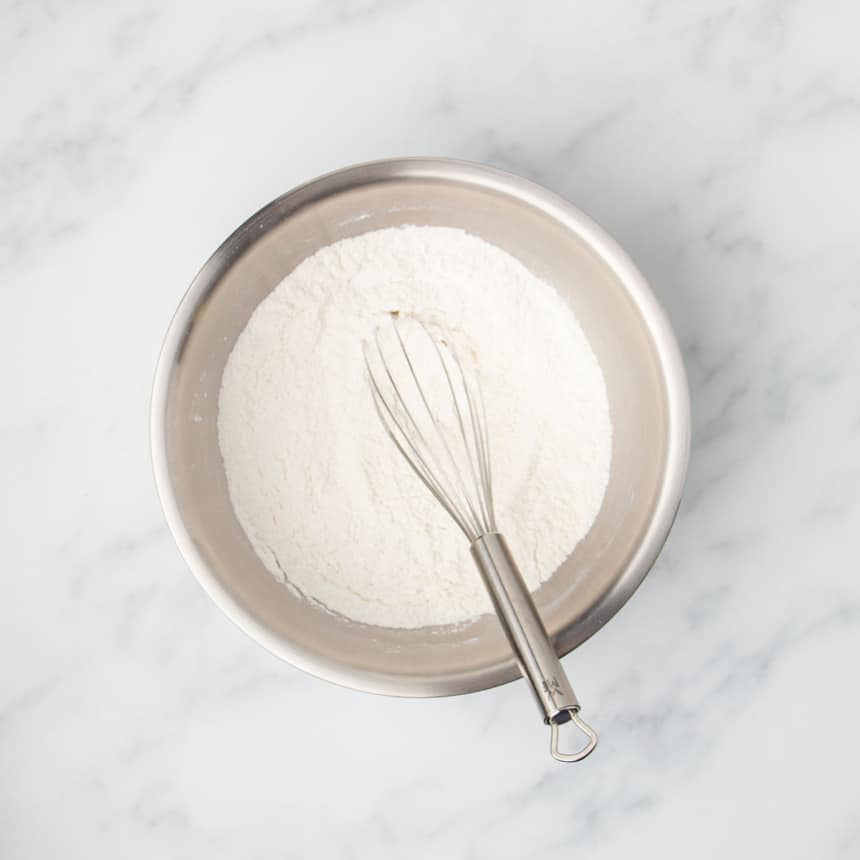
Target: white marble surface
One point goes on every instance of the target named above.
(718, 142)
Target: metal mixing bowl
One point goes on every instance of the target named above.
(627, 330)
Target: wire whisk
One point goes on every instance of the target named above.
(428, 396)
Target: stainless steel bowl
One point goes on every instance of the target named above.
(628, 332)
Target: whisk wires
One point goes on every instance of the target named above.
(433, 410)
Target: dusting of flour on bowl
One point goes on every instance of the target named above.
(324, 497)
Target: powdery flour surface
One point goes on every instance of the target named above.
(325, 498)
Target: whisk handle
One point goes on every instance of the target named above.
(529, 640)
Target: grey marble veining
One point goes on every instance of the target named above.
(718, 143)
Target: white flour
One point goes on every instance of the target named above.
(325, 498)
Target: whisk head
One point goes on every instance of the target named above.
(429, 399)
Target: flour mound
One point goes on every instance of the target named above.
(326, 500)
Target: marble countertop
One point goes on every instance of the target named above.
(718, 143)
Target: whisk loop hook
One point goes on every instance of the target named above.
(579, 755)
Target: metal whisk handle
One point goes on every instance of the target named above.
(530, 642)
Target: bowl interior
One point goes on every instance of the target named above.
(626, 331)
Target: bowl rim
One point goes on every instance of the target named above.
(610, 252)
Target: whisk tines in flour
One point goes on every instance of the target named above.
(432, 407)
(429, 400)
